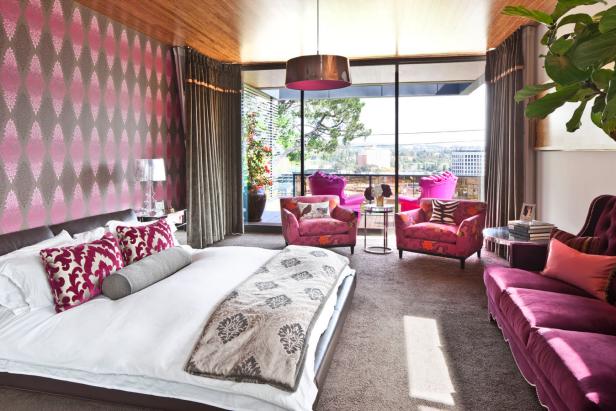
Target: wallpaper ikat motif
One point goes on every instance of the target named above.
(81, 98)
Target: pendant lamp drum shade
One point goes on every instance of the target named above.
(318, 72)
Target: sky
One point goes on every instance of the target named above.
(427, 120)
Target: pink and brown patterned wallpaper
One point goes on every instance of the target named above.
(81, 98)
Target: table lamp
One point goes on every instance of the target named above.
(148, 171)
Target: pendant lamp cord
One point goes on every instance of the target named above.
(317, 27)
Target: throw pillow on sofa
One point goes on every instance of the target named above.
(591, 273)
(588, 245)
(76, 273)
(313, 210)
(443, 211)
(141, 241)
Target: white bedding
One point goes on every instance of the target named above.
(142, 342)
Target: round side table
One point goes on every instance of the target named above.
(385, 210)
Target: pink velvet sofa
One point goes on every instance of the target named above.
(415, 232)
(441, 186)
(321, 183)
(338, 231)
(563, 339)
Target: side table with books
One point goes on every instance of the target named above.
(517, 231)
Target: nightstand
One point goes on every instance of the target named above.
(177, 217)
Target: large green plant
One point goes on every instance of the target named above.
(258, 155)
(580, 64)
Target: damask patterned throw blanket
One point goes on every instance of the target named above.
(259, 333)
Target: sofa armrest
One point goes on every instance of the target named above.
(472, 227)
(290, 226)
(528, 256)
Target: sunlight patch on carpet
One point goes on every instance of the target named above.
(427, 369)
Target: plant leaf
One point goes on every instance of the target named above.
(562, 71)
(602, 77)
(596, 113)
(582, 94)
(545, 105)
(596, 51)
(609, 113)
(575, 122)
(561, 46)
(532, 90)
(575, 18)
(564, 6)
(608, 20)
(547, 37)
(536, 15)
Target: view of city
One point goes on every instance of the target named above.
(354, 137)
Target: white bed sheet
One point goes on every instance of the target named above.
(142, 342)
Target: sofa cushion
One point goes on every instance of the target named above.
(588, 245)
(443, 233)
(579, 365)
(322, 226)
(498, 278)
(527, 309)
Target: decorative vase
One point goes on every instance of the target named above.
(256, 204)
(379, 201)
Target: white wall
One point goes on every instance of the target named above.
(567, 181)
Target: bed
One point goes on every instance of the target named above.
(133, 351)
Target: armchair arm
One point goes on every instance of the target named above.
(343, 214)
(290, 226)
(405, 219)
(470, 234)
(528, 256)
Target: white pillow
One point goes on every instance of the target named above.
(90, 235)
(113, 224)
(23, 278)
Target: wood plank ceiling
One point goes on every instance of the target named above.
(256, 31)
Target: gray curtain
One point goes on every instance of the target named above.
(510, 158)
(213, 149)
(179, 61)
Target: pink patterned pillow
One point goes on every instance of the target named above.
(141, 241)
(76, 273)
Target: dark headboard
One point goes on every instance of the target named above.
(14, 241)
(89, 223)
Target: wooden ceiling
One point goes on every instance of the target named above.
(256, 31)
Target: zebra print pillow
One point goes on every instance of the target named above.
(442, 211)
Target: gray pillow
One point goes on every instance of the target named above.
(145, 272)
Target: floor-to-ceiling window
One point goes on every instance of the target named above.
(352, 131)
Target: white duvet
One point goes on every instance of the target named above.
(142, 342)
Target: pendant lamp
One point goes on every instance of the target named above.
(318, 71)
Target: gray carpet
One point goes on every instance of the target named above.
(458, 359)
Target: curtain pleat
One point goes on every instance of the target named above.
(509, 150)
(213, 116)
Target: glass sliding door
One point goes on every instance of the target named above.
(352, 131)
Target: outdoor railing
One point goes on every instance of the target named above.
(468, 187)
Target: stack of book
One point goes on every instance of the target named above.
(530, 230)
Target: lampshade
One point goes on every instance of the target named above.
(158, 169)
(150, 169)
(318, 72)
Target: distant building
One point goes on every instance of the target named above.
(379, 157)
(467, 162)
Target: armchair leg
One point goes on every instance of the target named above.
(462, 261)
(479, 254)
(399, 252)
(352, 249)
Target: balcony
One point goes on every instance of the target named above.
(287, 185)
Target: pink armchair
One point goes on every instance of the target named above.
(415, 232)
(441, 186)
(338, 231)
(330, 184)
